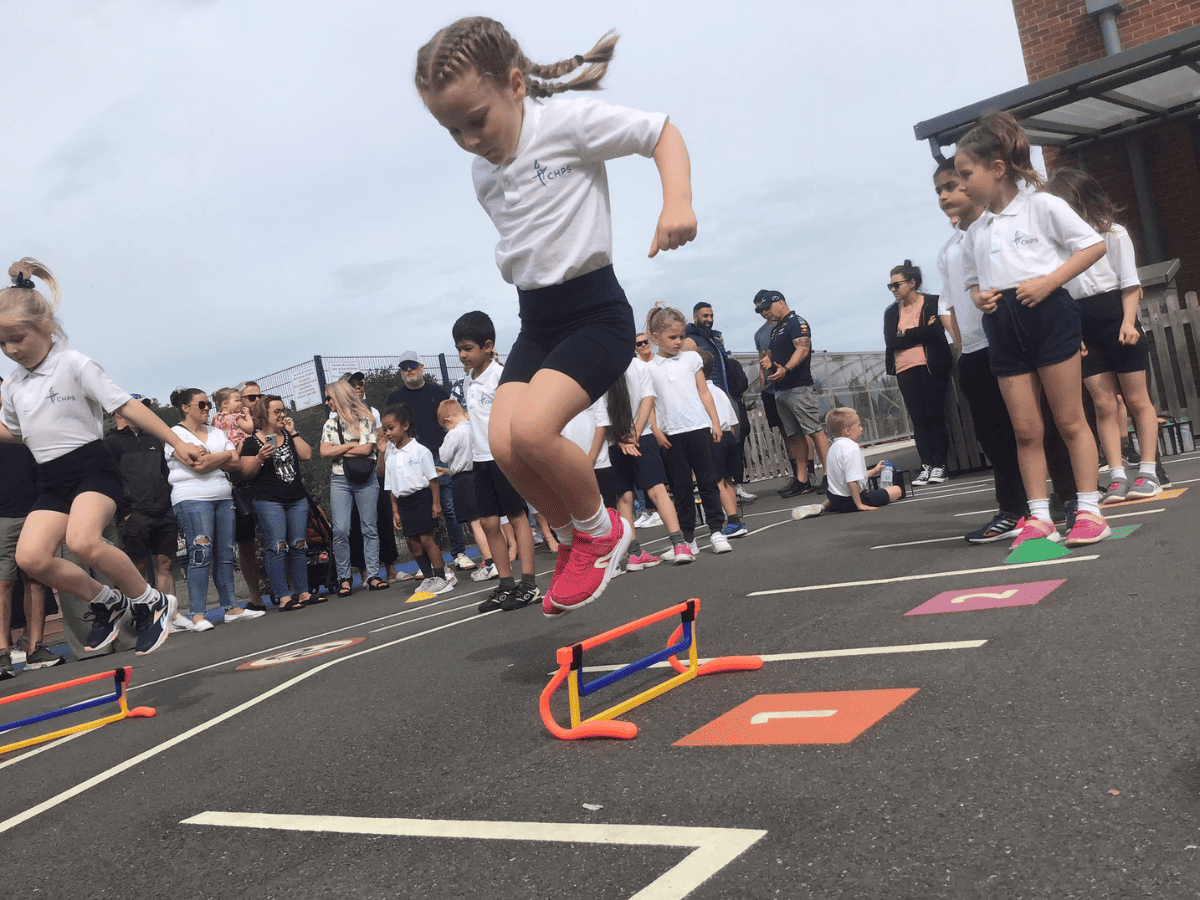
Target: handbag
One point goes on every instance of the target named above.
(357, 469)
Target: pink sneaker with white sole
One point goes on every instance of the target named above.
(592, 564)
(643, 560)
(1089, 529)
(1035, 528)
(560, 565)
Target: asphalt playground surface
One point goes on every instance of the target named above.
(1047, 749)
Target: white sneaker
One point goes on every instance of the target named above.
(485, 573)
(450, 578)
(653, 520)
(937, 475)
(720, 544)
(464, 562)
(179, 623)
(434, 585)
(923, 478)
(202, 625)
(744, 495)
(807, 512)
(244, 616)
(640, 521)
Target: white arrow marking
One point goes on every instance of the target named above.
(764, 718)
(714, 847)
(1003, 596)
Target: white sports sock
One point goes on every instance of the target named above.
(106, 596)
(1148, 468)
(597, 525)
(564, 533)
(1116, 472)
(1039, 509)
(147, 597)
(1089, 501)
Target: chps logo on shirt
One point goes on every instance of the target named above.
(545, 175)
(1020, 239)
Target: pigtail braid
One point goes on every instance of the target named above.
(589, 79)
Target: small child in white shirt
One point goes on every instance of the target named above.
(847, 470)
(725, 453)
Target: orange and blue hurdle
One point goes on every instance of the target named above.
(121, 679)
(570, 665)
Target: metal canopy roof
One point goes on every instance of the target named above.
(1102, 99)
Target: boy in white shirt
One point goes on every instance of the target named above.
(458, 453)
(475, 339)
(724, 452)
(847, 470)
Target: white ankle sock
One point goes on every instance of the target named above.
(1116, 472)
(144, 598)
(1148, 468)
(1039, 509)
(1089, 501)
(106, 596)
(597, 525)
(564, 533)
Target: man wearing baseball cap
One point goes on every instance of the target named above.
(785, 365)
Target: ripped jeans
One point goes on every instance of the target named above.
(208, 530)
(284, 532)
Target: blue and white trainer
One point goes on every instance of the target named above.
(735, 531)
(106, 619)
(150, 621)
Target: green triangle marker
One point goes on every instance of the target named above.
(1037, 550)
(1123, 531)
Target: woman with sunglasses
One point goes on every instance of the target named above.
(270, 461)
(202, 498)
(919, 356)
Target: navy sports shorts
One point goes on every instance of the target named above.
(582, 328)
(494, 493)
(877, 497)
(1100, 318)
(416, 513)
(1027, 338)
(462, 486)
(90, 468)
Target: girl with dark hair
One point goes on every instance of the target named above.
(202, 499)
(919, 356)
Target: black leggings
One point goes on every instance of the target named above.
(925, 396)
(691, 452)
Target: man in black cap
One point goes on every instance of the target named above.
(785, 365)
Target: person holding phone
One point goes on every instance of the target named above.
(270, 460)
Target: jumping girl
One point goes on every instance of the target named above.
(541, 178)
(1108, 294)
(1016, 258)
(54, 402)
(687, 417)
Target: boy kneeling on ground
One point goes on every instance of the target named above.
(847, 470)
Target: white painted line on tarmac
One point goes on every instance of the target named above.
(959, 537)
(70, 793)
(1004, 568)
(713, 848)
(823, 654)
(977, 512)
(947, 496)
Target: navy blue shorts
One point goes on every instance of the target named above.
(1024, 339)
(624, 470)
(723, 455)
(494, 493)
(607, 482)
(652, 470)
(878, 497)
(462, 485)
(416, 513)
(90, 468)
(1100, 318)
(582, 328)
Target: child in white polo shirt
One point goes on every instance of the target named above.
(848, 472)
(410, 476)
(1016, 258)
(54, 403)
(540, 175)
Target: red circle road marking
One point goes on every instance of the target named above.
(276, 659)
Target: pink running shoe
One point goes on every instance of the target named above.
(560, 565)
(643, 560)
(1089, 529)
(591, 565)
(1035, 528)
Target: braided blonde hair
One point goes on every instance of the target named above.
(23, 304)
(484, 45)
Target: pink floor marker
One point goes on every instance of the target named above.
(987, 597)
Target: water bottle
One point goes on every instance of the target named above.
(886, 474)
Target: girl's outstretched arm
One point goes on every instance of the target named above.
(677, 223)
(137, 413)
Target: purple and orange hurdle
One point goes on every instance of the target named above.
(121, 679)
(570, 666)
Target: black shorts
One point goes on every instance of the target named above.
(624, 470)
(416, 513)
(1024, 339)
(582, 328)
(652, 470)
(724, 454)
(462, 485)
(878, 497)
(144, 535)
(607, 482)
(1100, 318)
(494, 493)
(87, 468)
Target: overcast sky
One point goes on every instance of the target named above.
(227, 187)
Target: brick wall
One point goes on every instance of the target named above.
(1059, 34)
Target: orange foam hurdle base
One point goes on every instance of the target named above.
(601, 724)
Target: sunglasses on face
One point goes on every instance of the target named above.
(641, 343)
(251, 397)
(894, 286)
(409, 366)
(203, 404)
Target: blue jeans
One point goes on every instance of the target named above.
(284, 527)
(342, 493)
(454, 529)
(208, 530)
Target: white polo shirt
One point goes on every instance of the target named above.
(845, 463)
(456, 450)
(1034, 235)
(408, 469)
(550, 201)
(1116, 270)
(726, 414)
(581, 430)
(957, 297)
(678, 402)
(479, 394)
(59, 406)
(637, 380)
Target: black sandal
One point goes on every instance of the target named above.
(377, 584)
(292, 605)
(310, 599)
(344, 588)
